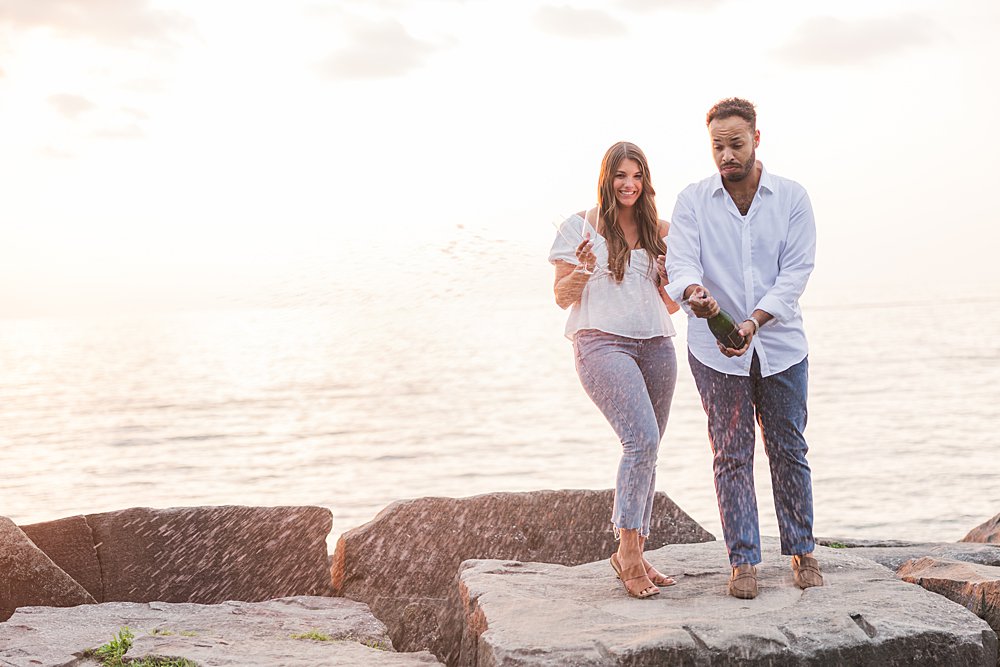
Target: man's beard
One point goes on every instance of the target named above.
(743, 173)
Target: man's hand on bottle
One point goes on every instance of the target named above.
(702, 303)
(747, 329)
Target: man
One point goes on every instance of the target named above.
(745, 240)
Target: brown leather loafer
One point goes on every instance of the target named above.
(743, 582)
(805, 571)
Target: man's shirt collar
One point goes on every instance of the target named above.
(766, 182)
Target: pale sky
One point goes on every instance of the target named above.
(178, 148)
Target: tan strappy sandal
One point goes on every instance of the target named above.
(655, 576)
(658, 578)
(631, 574)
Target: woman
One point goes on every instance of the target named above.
(619, 322)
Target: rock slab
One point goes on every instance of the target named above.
(244, 634)
(69, 543)
(893, 555)
(975, 587)
(212, 554)
(29, 577)
(404, 562)
(520, 614)
(988, 532)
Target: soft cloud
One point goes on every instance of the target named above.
(653, 5)
(69, 105)
(130, 131)
(379, 49)
(127, 22)
(56, 153)
(319, 8)
(579, 23)
(137, 114)
(145, 85)
(832, 41)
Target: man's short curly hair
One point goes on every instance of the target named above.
(733, 106)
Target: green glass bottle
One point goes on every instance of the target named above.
(725, 330)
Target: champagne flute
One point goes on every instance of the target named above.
(596, 240)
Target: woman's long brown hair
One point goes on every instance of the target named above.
(646, 219)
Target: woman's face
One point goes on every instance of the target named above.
(628, 182)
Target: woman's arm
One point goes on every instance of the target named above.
(661, 273)
(571, 279)
(569, 284)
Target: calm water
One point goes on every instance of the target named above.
(457, 381)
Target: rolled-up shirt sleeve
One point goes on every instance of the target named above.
(796, 264)
(683, 250)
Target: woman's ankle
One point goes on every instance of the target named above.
(628, 545)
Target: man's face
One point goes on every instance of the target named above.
(734, 146)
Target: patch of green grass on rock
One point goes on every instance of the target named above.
(315, 635)
(113, 653)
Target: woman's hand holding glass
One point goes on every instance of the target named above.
(661, 269)
(585, 255)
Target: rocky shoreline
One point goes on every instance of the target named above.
(496, 579)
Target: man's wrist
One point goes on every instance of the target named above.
(756, 324)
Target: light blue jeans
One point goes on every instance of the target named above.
(631, 380)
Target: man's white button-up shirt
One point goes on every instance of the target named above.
(760, 260)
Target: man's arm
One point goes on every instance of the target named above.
(683, 263)
(796, 264)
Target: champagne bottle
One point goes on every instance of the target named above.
(726, 330)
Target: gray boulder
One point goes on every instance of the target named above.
(404, 562)
(988, 532)
(69, 543)
(520, 614)
(29, 577)
(212, 554)
(292, 632)
(892, 554)
(975, 587)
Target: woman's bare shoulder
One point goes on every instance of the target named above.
(664, 226)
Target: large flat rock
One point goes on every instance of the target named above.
(892, 554)
(212, 554)
(29, 577)
(975, 587)
(244, 634)
(403, 563)
(542, 614)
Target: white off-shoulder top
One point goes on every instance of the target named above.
(632, 308)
